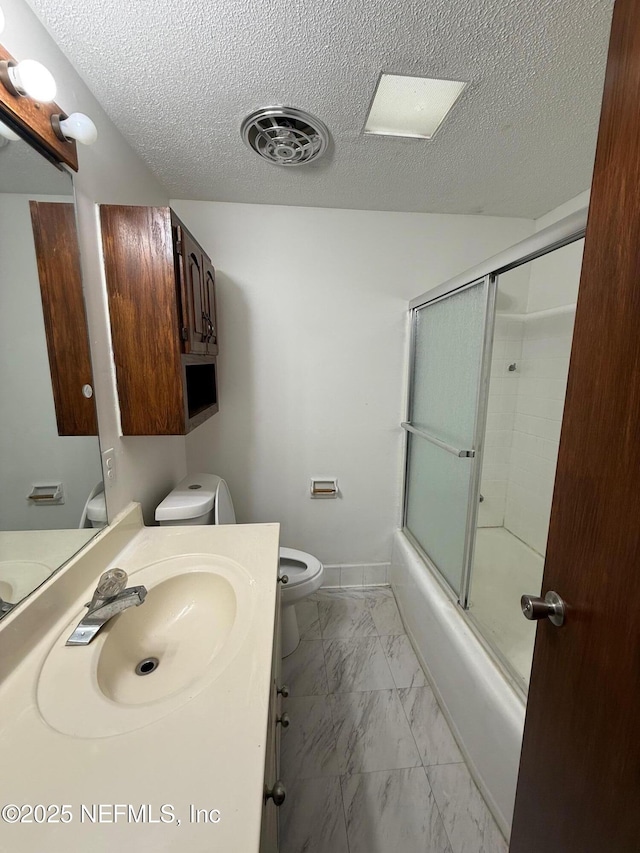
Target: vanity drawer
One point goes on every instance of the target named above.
(269, 832)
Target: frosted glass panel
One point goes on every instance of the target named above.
(448, 345)
(437, 495)
(449, 336)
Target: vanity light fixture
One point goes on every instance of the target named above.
(411, 106)
(77, 126)
(28, 78)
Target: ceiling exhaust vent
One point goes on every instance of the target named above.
(285, 136)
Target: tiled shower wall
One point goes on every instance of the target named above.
(525, 406)
(542, 380)
(501, 413)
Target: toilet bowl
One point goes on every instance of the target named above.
(205, 499)
(94, 513)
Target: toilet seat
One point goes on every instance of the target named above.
(298, 565)
(304, 572)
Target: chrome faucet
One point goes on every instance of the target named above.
(109, 599)
(5, 607)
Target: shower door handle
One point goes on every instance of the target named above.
(550, 607)
(456, 452)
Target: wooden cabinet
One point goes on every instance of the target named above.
(197, 293)
(58, 257)
(269, 834)
(161, 291)
(210, 297)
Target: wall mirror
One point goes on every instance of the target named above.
(49, 450)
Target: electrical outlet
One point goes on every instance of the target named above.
(109, 465)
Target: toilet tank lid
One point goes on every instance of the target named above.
(97, 508)
(192, 497)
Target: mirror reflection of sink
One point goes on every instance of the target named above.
(150, 659)
(20, 577)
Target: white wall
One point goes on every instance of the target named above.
(30, 447)
(312, 313)
(110, 172)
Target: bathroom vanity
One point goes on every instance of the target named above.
(184, 758)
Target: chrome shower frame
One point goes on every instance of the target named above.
(560, 234)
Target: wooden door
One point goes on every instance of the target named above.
(58, 257)
(210, 305)
(579, 783)
(193, 294)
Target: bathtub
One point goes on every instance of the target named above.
(485, 713)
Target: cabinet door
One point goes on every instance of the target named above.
(58, 257)
(211, 322)
(195, 330)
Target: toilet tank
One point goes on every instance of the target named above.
(198, 499)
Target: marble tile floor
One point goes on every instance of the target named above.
(369, 762)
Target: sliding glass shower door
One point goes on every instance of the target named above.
(445, 405)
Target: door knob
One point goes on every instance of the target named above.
(277, 793)
(284, 720)
(550, 607)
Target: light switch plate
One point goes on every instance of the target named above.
(109, 465)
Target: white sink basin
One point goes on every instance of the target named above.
(151, 659)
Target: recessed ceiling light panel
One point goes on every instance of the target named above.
(411, 106)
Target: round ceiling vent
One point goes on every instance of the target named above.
(285, 136)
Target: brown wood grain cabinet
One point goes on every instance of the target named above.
(58, 257)
(161, 291)
(197, 293)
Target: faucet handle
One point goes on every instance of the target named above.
(111, 583)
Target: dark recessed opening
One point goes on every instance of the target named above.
(202, 391)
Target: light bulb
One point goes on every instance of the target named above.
(77, 126)
(7, 133)
(33, 79)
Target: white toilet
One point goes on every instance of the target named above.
(205, 499)
(94, 513)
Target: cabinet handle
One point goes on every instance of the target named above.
(210, 333)
(284, 720)
(283, 579)
(278, 793)
(283, 691)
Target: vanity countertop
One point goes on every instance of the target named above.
(143, 789)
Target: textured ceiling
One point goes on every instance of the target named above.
(178, 76)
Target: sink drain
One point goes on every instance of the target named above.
(147, 666)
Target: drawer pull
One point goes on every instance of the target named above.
(283, 691)
(278, 793)
(283, 579)
(284, 720)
